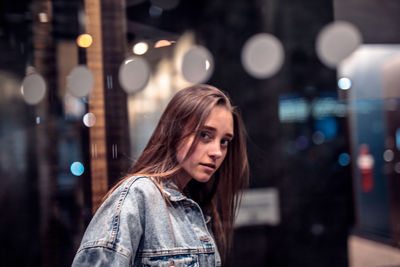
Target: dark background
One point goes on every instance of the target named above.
(316, 193)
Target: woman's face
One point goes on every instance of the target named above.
(211, 149)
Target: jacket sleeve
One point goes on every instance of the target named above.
(113, 236)
(100, 256)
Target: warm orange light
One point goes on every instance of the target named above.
(163, 43)
(84, 40)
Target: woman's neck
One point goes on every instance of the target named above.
(181, 179)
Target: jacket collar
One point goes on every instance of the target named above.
(172, 192)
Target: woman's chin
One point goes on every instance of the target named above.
(203, 179)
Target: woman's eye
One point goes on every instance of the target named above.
(225, 142)
(205, 135)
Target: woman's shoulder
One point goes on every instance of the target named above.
(137, 185)
(138, 181)
(134, 192)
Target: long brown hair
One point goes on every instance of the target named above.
(185, 114)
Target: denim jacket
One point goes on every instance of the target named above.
(136, 227)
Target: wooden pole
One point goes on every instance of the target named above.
(97, 133)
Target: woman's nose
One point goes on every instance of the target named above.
(215, 150)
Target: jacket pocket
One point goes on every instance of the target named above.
(167, 261)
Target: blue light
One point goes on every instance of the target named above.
(398, 138)
(344, 159)
(77, 168)
(155, 11)
(344, 83)
(328, 126)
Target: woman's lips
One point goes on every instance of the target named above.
(209, 166)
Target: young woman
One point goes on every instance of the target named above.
(177, 206)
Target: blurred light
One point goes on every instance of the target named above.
(397, 167)
(43, 18)
(166, 4)
(134, 74)
(89, 119)
(318, 138)
(298, 109)
(30, 70)
(155, 11)
(328, 126)
(398, 138)
(77, 168)
(194, 65)
(162, 43)
(336, 41)
(344, 83)
(208, 65)
(262, 55)
(344, 159)
(327, 106)
(110, 83)
(80, 81)
(317, 229)
(84, 40)
(293, 109)
(302, 142)
(81, 17)
(388, 155)
(37, 120)
(33, 88)
(140, 48)
(74, 108)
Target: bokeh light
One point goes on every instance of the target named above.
(317, 229)
(262, 55)
(197, 65)
(37, 120)
(318, 138)
(80, 81)
(162, 43)
(33, 88)
(328, 125)
(302, 142)
(388, 155)
(155, 11)
(84, 40)
(134, 74)
(43, 18)
(344, 83)
(336, 41)
(344, 159)
(77, 168)
(89, 119)
(397, 167)
(74, 108)
(140, 48)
